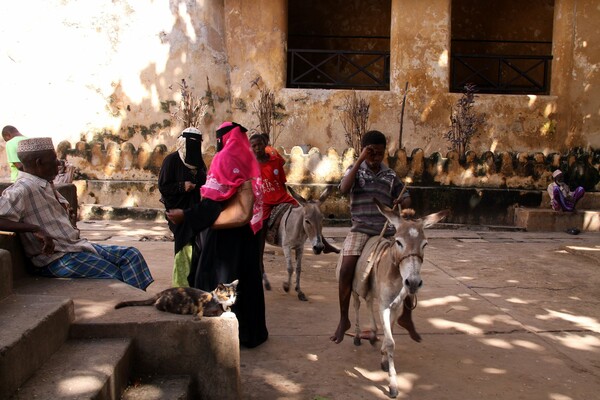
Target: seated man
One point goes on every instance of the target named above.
(561, 197)
(33, 208)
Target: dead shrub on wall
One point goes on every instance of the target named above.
(271, 114)
(354, 115)
(465, 122)
(192, 108)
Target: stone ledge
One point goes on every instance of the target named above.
(542, 219)
(163, 343)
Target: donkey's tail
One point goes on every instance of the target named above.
(148, 302)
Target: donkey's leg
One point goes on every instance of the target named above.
(387, 350)
(357, 332)
(373, 334)
(287, 252)
(299, 254)
(405, 320)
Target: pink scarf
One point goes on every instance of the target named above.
(233, 165)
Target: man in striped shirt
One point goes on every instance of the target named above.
(40, 215)
(368, 178)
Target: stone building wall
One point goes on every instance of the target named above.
(106, 73)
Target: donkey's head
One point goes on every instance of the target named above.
(312, 218)
(409, 244)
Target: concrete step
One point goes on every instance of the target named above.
(546, 219)
(206, 350)
(33, 328)
(6, 280)
(159, 388)
(82, 369)
(10, 242)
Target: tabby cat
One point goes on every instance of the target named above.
(185, 300)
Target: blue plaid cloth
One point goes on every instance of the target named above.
(112, 262)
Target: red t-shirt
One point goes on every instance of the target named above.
(273, 184)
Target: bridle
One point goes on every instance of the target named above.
(414, 296)
(414, 305)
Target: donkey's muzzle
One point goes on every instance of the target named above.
(318, 248)
(413, 285)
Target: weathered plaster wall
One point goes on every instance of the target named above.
(108, 70)
(584, 79)
(74, 69)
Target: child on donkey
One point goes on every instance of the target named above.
(368, 178)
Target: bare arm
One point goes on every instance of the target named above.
(348, 179)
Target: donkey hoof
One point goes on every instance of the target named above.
(286, 287)
(267, 285)
(356, 340)
(393, 393)
(302, 297)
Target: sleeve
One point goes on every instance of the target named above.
(11, 207)
(202, 215)
(166, 185)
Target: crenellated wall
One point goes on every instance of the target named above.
(311, 165)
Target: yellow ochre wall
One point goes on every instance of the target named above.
(109, 71)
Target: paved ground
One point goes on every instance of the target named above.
(503, 315)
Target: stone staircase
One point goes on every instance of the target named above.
(543, 218)
(62, 339)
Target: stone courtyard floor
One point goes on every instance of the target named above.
(503, 315)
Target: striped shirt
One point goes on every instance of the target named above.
(385, 186)
(33, 200)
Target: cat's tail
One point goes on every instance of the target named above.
(148, 302)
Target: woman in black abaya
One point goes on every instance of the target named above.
(233, 253)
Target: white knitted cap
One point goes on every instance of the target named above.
(35, 144)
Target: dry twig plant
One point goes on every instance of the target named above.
(354, 116)
(465, 122)
(191, 108)
(270, 114)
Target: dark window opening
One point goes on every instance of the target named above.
(339, 44)
(502, 47)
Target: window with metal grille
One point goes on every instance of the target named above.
(502, 47)
(339, 44)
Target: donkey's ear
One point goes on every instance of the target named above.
(387, 212)
(435, 218)
(296, 196)
(325, 194)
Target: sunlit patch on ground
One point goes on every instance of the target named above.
(578, 342)
(461, 327)
(580, 321)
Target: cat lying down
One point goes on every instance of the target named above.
(185, 300)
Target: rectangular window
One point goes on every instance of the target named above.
(506, 48)
(339, 44)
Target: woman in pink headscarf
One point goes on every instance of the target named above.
(230, 254)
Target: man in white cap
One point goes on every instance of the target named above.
(32, 208)
(561, 197)
(181, 175)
